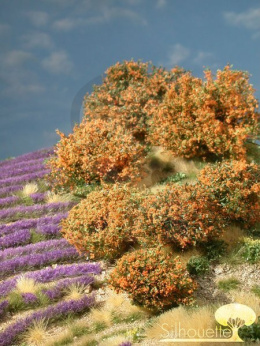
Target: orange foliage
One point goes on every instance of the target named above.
(198, 118)
(179, 216)
(235, 187)
(101, 224)
(153, 279)
(96, 151)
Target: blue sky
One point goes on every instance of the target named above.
(53, 50)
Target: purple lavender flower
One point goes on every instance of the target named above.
(3, 306)
(16, 171)
(24, 178)
(7, 201)
(4, 191)
(59, 290)
(17, 238)
(16, 265)
(31, 223)
(50, 274)
(29, 298)
(23, 211)
(39, 154)
(38, 197)
(51, 313)
(125, 343)
(39, 247)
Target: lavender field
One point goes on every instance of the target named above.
(42, 277)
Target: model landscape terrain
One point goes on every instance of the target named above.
(145, 216)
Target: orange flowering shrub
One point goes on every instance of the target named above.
(198, 118)
(153, 279)
(101, 224)
(127, 92)
(179, 216)
(95, 152)
(234, 186)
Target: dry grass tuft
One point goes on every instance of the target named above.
(29, 189)
(37, 334)
(55, 198)
(26, 285)
(113, 341)
(247, 298)
(232, 235)
(75, 292)
(164, 326)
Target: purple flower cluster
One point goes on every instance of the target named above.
(16, 171)
(38, 197)
(59, 290)
(24, 178)
(31, 223)
(20, 237)
(50, 225)
(23, 211)
(17, 264)
(51, 313)
(39, 154)
(3, 306)
(29, 298)
(125, 343)
(7, 201)
(33, 248)
(50, 274)
(4, 191)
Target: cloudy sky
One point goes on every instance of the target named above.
(52, 51)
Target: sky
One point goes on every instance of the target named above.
(53, 51)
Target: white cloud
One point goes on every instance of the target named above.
(161, 3)
(15, 58)
(18, 81)
(203, 58)
(37, 40)
(4, 28)
(105, 15)
(58, 63)
(38, 18)
(177, 54)
(249, 19)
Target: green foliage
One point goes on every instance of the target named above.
(251, 250)
(250, 333)
(214, 249)
(174, 178)
(256, 290)
(198, 265)
(228, 284)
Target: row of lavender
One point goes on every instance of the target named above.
(33, 251)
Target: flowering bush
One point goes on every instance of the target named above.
(153, 279)
(198, 118)
(234, 186)
(96, 151)
(101, 223)
(127, 92)
(178, 215)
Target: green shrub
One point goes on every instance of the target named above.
(251, 250)
(198, 265)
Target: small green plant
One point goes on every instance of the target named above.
(36, 237)
(175, 178)
(214, 249)
(228, 284)
(198, 265)
(256, 290)
(250, 333)
(251, 250)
